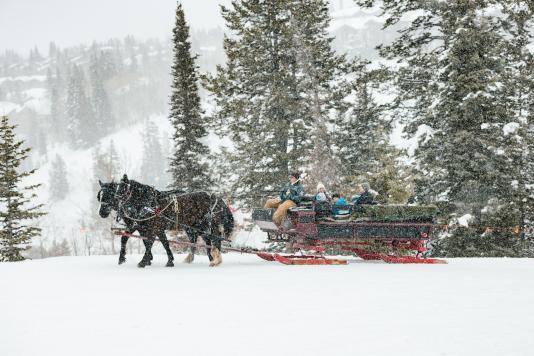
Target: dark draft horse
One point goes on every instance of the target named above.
(150, 212)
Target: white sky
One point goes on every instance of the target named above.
(26, 23)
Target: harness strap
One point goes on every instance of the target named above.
(157, 214)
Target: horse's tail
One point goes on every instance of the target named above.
(227, 221)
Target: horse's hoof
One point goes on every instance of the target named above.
(149, 263)
(169, 264)
(122, 260)
(189, 258)
(141, 264)
(217, 259)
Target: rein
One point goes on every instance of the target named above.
(157, 214)
(127, 192)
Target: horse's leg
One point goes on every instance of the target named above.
(148, 252)
(147, 257)
(215, 252)
(165, 243)
(193, 239)
(209, 247)
(122, 254)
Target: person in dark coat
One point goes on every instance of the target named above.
(290, 196)
(363, 195)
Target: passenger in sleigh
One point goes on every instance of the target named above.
(322, 194)
(290, 196)
(364, 195)
(339, 205)
(322, 205)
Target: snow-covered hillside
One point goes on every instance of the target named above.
(65, 217)
(90, 306)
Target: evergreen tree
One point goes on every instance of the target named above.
(106, 164)
(15, 233)
(104, 122)
(518, 27)
(108, 64)
(364, 135)
(81, 124)
(34, 58)
(257, 98)
(453, 81)
(59, 185)
(319, 75)
(187, 164)
(276, 87)
(56, 92)
(152, 164)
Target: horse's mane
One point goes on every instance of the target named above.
(144, 191)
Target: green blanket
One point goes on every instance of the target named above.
(395, 212)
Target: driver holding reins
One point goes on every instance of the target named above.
(290, 196)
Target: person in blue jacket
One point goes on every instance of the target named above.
(339, 205)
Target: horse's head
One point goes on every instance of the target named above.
(106, 197)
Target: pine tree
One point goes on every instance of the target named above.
(81, 123)
(453, 81)
(257, 98)
(15, 233)
(106, 164)
(319, 79)
(152, 164)
(103, 115)
(187, 164)
(364, 132)
(519, 134)
(276, 87)
(59, 185)
(56, 92)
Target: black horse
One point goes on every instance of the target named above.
(150, 212)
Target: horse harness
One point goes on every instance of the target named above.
(208, 217)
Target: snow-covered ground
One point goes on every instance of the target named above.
(90, 306)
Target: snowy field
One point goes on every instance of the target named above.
(90, 306)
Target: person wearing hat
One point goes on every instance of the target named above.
(322, 206)
(321, 195)
(290, 196)
(363, 194)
